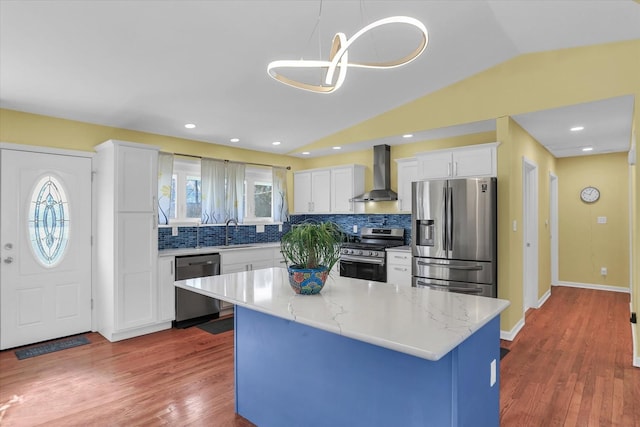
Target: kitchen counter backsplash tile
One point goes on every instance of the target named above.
(214, 235)
(346, 222)
(244, 234)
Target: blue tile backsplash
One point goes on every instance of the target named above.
(243, 234)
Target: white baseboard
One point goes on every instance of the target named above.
(592, 286)
(634, 348)
(544, 298)
(511, 335)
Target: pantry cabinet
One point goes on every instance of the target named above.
(126, 240)
(460, 162)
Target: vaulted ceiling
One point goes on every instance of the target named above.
(154, 66)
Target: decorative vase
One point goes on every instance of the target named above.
(307, 281)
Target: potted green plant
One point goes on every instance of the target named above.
(310, 251)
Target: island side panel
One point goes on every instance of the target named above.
(290, 374)
(477, 401)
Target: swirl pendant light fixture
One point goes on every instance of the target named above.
(339, 58)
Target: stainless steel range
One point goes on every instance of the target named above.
(367, 259)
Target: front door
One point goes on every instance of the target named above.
(45, 246)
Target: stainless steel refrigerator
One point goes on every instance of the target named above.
(454, 235)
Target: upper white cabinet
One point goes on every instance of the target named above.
(407, 173)
(328, 190)
(460, 162)
(346, 183)
(312, 191)
(126, 240)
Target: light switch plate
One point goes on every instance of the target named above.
(260, 228)
(602, 220)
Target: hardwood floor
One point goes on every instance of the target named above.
(570, 365)
(175, 377)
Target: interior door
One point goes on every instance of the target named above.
(45, 246)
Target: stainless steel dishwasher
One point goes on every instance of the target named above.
(193, 308)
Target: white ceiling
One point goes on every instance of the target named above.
(155, 65)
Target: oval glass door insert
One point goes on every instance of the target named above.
(49, 221)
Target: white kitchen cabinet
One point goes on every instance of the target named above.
(166, 289)
(407, 173)
(238, 260)
(399, 267)
(126, 240)
(346, 183)
(312, 191)
(278, 258)
(460, 162)
(330, 190)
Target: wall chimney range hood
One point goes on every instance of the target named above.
(382, 191)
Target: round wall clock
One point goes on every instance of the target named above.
(590, 194)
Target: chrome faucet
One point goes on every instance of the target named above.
(226, 230)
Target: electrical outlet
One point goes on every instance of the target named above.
(493, 378)
(603, 271)
(174, 231)
(355, 228)
(280, 228)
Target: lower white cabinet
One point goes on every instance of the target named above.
(166, 289)
(399, 267)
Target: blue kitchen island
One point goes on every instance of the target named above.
(360, 353)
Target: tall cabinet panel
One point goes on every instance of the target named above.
(126, 238)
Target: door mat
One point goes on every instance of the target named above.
(50, 347)
(218, 326)
(503, 352)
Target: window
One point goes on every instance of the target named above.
(258, 194)
(186, 191)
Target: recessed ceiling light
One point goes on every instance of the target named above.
(587, 149)
(306, 153)
(337, 148)
(234, 140)
(576, 128)
(276, 143)
(407, 135)
(190, 126)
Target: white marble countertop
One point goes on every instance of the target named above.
(216, 249)
(421, 322)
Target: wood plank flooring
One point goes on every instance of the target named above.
(570, 365)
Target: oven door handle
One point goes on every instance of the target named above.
(450, 266)
(450, 288)
(347, 258)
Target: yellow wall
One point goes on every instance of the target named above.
(32, 129)
(585, 245)
(517, 144)
(532, 82)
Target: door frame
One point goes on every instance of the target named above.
(529, 234)
(553, 214)
(71, 153)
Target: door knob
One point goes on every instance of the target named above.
(8, 260)
(8, 246)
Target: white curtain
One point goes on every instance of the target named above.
(280, 206)
(212, 176)
(165, 173)
(234, 203)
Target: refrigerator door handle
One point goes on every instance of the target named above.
(451, 266)
(450, 222)
(450, 288)
(444, 219)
